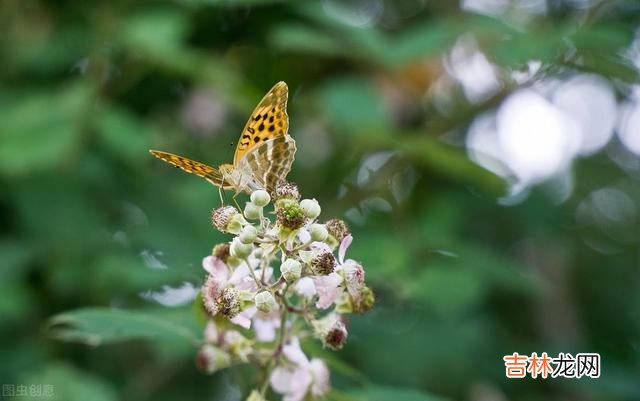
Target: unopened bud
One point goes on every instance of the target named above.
(265, 302)
(211, 359)
(318, 232)
(260, 198)
(248, 234)
(255, 396)
(251, 211)
(240, 250)
(291, 270)
(311, 208)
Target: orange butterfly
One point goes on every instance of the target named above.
(264, 154)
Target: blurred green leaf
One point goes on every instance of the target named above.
(41, 130)
(66, 384)
(159, 32)
(123, 133)
(97, 326)
(384, 393)
(353, 104)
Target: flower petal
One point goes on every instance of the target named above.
(320, 373)
(344, 245)
(215, 266)
(305, 287)
(328, 288)
(244, 318)
(294, 353)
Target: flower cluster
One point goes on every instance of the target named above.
(274, 284)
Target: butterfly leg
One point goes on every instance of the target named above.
(235, 195)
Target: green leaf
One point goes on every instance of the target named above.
(66, 383)
(123, 133)
(159, 32)
(353, 104)
(97, 326)
(41, 130)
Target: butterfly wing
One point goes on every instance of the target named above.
(269, 120)
(269, 163)
(209, 173)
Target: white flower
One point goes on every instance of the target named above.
(265, 326)
(328, 288)
(304, 377)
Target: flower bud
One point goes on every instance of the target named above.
(240, 250)
(318, 232)
(331, 330)
(291, 270)
(227, 219)
(311, 208)
(265, 302)
(363, 301)
(255, 396)
(229, 302)
(221, 251)
(260, 198)
(323, 264)
(338, 229)
(290, 215)
(237, 345)
(211, 359)
(251, 211)
(248, 234)
(287, 190)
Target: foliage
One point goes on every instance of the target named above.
(91, 223)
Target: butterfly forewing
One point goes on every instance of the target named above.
(269, 120)
(270, 162)
(191, 166)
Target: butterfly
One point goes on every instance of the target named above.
(264, 154)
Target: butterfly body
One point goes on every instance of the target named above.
(264, 154)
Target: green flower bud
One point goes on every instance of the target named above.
(291, 270)
(248, 234)
(240, 250)
(311, 208)
(251, 211)
(265, 302)
(260, 198)
(290, 215)
(318, 232)
(210, 359)
(255, 396)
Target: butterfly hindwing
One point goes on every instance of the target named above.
(270, 162)
(269, 120)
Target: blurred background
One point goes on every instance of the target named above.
(486, 154)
